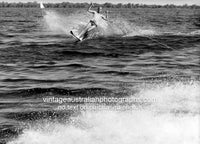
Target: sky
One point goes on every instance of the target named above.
(158, 2)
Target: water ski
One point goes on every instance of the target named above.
(75, 36)
(81, 36)
(84, 33)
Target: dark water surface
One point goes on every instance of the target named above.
(156, 58)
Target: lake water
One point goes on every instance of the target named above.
(148, 56)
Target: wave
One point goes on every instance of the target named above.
(7, 21)
(87, 54)
(173, 118)
(40, 115)
(174, 96)
(32, 80)
(196, 32)
(84, 92)
(4, 35)
(118, 127)
(54, 66)
(120, 73)
(8, 131)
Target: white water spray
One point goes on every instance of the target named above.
(155, 123)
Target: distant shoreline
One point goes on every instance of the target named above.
(85, 5)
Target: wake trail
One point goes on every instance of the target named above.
(60, 24)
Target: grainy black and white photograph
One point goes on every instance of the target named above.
(99, 71)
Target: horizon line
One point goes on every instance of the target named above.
(103, 3)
